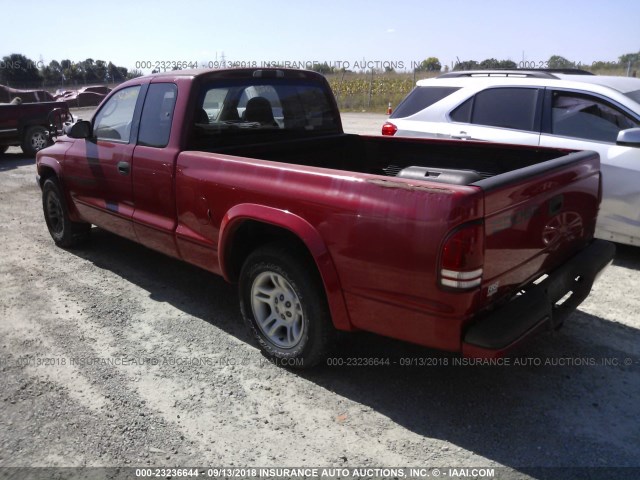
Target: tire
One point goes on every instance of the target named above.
(3, 148)
(283, 302)
(64, 232)
(35, 139)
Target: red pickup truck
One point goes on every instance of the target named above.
(461, 246)
(27, 124)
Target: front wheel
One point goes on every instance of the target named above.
(64, 232)
(283, 302)
(35, 139)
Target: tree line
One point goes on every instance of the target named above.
(433, 64)
(17, 70)
(628, 60)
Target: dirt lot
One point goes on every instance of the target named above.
(113, 355)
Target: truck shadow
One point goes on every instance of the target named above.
(566, 402)
(627, 256)
(10, 161)
(188, 288)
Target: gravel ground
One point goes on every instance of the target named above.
(114, 355)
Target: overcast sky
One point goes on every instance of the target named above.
(127, 32)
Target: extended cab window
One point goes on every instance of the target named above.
(113, 121)
(421, 98)
(155, 124)
(261, 107)
(500, 107)
(584, 116)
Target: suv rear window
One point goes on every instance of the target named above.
(500, 107)
(421, 98)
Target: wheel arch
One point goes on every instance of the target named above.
(45, 172)
(246, 227)
(49, 167)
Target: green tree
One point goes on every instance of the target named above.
(466, 65)
(134, 74)
(71, 74)
(431, 64)
(52, 73)
(492, 63)
(88, 70)
(18, 70)
(115, 73)
(100, 69)
(633, 58)
(323, 68)
(489, 63)
(556, 61)
(508, 64)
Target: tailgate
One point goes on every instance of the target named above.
(535, 219)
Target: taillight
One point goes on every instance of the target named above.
(389, 129)
(462, 258)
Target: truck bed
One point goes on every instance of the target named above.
(389, 156)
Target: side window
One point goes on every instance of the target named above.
(113, 121)
(157, 114)
(584, 116)
(463, 112)
(500, 107)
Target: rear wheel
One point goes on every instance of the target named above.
(283, 302)
(35, 139)
(3, 148)
(64, 232)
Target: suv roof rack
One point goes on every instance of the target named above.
(568, 71)
(536, 73)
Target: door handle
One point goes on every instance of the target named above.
(124, 168)
(461, 136)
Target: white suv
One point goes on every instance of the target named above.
(568, 109)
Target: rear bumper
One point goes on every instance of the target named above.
(498, 333)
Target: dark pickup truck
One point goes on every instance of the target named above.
(461, 246)
(26, 125)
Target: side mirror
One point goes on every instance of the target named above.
(629, 138)
(80, 129)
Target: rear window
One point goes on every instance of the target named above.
(264, 105)
(421, 98)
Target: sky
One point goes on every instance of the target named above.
(399, 31)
